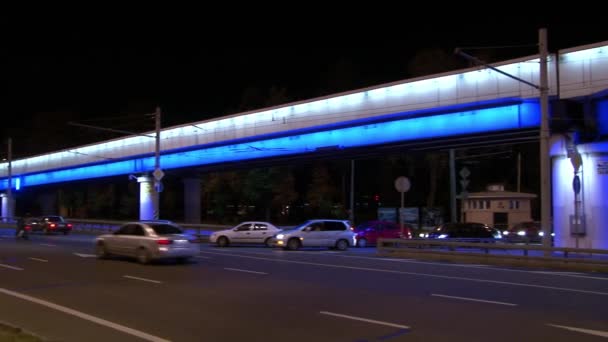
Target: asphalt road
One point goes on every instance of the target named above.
(54, 287)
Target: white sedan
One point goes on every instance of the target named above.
(246, 232)
(147, 241)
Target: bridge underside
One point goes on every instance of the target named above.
(506, 123)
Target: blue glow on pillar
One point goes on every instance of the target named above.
(146, 198)
(485, 120)
(602, 117)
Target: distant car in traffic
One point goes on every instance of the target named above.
(147, 241)
(49, 224)
(369, 232)
(465, 230)
(529, 231)
(336, 234)
(258, 232)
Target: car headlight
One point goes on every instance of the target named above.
(442, 236)
(506, 232)
(280, 236)
(521, 233)
(541, 233)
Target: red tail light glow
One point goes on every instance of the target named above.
(70, 225)
(52, 225)
(164, 242)
(27, 227)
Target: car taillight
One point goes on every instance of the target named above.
(27, 227)
(164, 242)
(70, 225)
(53, 225)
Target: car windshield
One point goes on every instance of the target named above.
(165, 229)
(54, 218)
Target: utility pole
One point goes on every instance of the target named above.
(158, 173)
(9, 190)
(351, 214)
(545, 169)
(453, 217)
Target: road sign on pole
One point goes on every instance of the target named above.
(402, 184)
(158, 186)
(158, 174)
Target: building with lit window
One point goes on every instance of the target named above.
(496, 207)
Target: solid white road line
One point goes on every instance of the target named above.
(246, 271)
(412, 261)
(82, 255)
(47, 244)
(143, 279)
(12, 267)
(417, 274)
(365, 320)
(570, 274)
(581, 330)
(85, 316)
(473, 299)
(36, 259)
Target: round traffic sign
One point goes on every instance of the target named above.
(576, 184)
(402, 184)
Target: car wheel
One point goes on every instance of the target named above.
(143, 257)
(268, 242)
(223, 241)
(341, 245)
(46, 231)
(183, 260)
(293, 244)
(362, 243)
(100, 251)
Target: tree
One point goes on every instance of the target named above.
(221, 191)
(284, 193)
(432, 61)
(321, 192)
(257, 188)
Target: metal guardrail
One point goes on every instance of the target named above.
(104, 226)
(88, 225)
(498, 252)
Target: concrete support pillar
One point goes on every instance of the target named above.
(586, 228)
(192, 200)
(147, 198)
(8, 207)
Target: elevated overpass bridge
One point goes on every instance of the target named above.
(475, 105)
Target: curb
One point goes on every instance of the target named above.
(16, 330)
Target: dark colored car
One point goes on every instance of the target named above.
(466, 230)
(369, 232)
(50, 224)
(529, 231)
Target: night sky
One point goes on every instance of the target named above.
(110, 72)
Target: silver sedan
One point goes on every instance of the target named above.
(147, 241)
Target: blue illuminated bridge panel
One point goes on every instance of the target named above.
(515, 116)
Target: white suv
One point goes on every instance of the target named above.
(317, 233)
